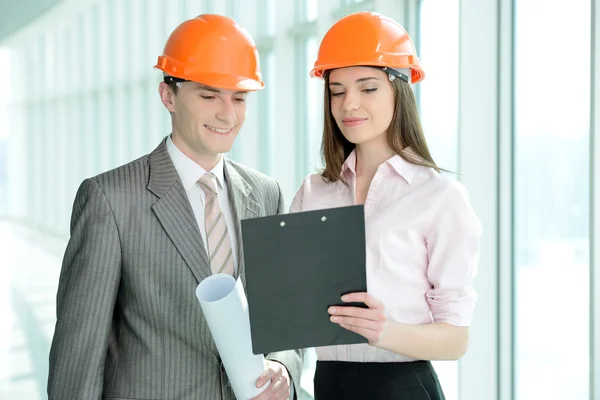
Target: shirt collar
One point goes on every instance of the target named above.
(350, 163)
(405, 169)
(395, 163)
(189, 172)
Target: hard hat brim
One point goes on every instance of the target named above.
(218, 80)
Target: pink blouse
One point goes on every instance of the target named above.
(422, 246)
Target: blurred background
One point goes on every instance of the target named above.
(510, 103)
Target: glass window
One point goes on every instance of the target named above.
(119, 143)
(120, 40)
(105, 126)
(193, 8)
(438, 102)
(266, 104)
(104, 41)
(5, 128)
(438, 51)
(551, 223)
(161, 18)
(158, 118)
(88, 148)
(62, 144)
(50, 71)
(138, 104)
(265, 18)
(311, 9)
(271, 13)
(308, 373)
(87, 48)
(137, 42)
(75, 127)
(233, 9)
(314, 108)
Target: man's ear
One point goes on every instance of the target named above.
(167, 96)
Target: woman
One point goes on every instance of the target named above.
(422, 235)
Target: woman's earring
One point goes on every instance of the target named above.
(391, 77)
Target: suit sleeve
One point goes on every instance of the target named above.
(281, 203)
(291, 359)
(87, 291)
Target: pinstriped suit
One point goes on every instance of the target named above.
(128, 322)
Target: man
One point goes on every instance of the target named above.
(145, 234)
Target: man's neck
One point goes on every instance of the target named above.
(206, 161)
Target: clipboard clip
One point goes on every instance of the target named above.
(323, 219)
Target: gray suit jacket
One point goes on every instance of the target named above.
(129, 325)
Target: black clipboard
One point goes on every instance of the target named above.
(297, 265)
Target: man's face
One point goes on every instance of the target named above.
(206, 120)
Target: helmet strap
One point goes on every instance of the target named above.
(393, 73)
(171, 79)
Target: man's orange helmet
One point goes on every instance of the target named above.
(213, 50)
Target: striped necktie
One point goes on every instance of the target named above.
(219, 246)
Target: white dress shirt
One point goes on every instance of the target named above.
(189, 172)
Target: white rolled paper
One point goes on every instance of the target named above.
(225, 307)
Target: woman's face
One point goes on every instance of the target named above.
(362, 103)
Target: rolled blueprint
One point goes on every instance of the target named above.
(225, 307)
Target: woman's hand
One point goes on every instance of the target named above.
(434, 341)
(367, 322)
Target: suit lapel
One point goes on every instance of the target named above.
(175, 213)
(243, 204)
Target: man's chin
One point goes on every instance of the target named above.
(222, 147)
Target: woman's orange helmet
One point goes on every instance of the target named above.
(213, 50)
(369, 39)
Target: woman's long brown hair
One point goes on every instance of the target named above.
(404, 131)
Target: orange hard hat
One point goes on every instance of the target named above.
(370, 39)
(213, 50)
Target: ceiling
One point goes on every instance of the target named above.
(17, 14)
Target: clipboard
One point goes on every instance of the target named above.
(297, 265)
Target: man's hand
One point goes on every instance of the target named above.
(279, 389)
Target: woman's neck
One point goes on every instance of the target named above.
(369, 156)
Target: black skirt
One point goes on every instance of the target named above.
(342, 380)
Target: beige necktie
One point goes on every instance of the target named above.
(219, 246)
